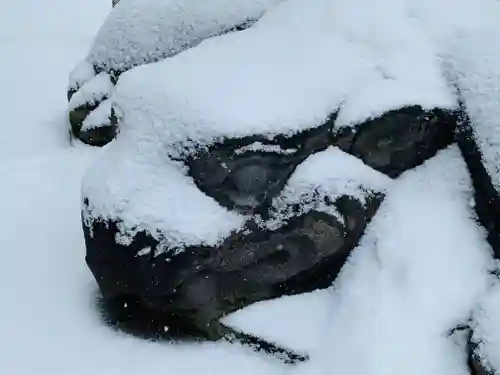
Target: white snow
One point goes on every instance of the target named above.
(161, 199)
(417, 274)
(331, 173)
(478, 80)
(287, 73)
(487, 328)
(334, 173)
(142, 31)
(419, 271)
(296, 321)
(98, 88)
(81, 74)
(469, 43)
(262, 147)
(101, 116)
(382, 94)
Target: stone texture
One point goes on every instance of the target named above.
(98, 136)
(400, 139)
(190, 291)
(209, 168)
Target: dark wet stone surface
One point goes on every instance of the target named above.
(201, 285)
(400, 139)
(98, 136)
(487, 198)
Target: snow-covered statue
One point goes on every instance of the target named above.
(326, 136)
(139, 32)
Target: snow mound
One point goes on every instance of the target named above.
(417, 273)
(94, 91)
(419, 270)
(261, 147)
(137, 32)
(287, 73)
(294, 321)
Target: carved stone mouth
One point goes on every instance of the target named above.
(191, 291)
(128, 314)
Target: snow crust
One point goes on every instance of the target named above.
(142, 31)
(98, 88)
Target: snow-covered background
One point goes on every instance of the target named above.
(417, 273)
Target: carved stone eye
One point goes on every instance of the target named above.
(247, 173)
(241, 181)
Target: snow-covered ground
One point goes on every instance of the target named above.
(41, 40)
(417, 273)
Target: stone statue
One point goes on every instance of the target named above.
(202, 204)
